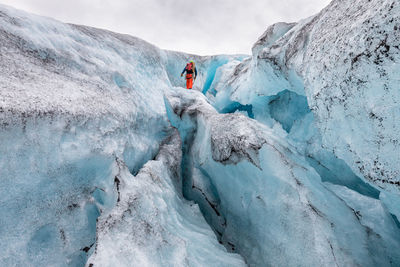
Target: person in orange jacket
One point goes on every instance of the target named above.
(190, 69)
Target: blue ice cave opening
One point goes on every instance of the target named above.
(286, 107)
(236, 106)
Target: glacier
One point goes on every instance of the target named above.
(151, 224)
(345, 61)
(74, 100)
(289, 156)
(284, 202)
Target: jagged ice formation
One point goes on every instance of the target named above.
(291, 157)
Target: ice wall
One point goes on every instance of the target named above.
(313, 180)
(267, 203)
(74, 101)
(345, 61)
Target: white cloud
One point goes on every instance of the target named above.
(201, 27)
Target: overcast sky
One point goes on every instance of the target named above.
(202, 27)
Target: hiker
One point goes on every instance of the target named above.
(190, 69)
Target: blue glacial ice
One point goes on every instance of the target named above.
(267, 203)
(73, 100)
(287, 157)
(345, 61)
(153, 225)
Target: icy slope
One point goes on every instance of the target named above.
(267, 203)
(345, 60)
(74, 101)
(115, 70)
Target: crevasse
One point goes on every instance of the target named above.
(289, 158)
(248, 181)
(78, 106)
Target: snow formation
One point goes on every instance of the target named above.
(289, 157)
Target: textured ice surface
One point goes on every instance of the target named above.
(70, 103)
(346, 61)
(73, 100)
(266, 202)
(311, 181)
(152, 225)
